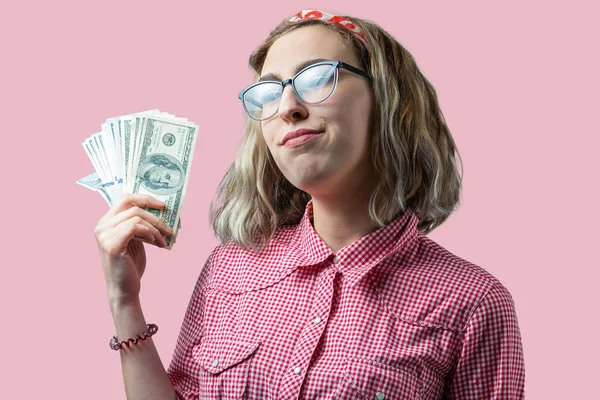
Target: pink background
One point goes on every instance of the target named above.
(518, 84)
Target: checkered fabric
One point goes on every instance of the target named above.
(392, 315)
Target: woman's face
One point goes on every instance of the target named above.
(337, 159)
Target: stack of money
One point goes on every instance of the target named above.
(148, 152)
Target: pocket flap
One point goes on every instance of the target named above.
(375, 380)
(217, 354)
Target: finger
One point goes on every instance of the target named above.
(144, 240)
(145, 215)
(133, 199)
(123, 234)
(159, 239)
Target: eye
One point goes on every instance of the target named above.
(321, 79)
(168, 176)
(270, 96)
(263, 94)
(320, 75)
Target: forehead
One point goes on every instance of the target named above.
(302, 44)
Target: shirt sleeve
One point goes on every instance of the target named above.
(491, 363)
(183, 370)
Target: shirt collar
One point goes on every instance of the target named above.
(306, 248)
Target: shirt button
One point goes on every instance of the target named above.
(215, 362)
(380, 396)
(297, 370)
(317, 320)
(335, 259)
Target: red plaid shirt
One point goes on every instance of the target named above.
(392, 315)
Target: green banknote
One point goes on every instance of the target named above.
(164, 161)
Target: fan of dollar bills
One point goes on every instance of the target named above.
(148, 152)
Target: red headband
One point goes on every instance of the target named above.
(336, 20)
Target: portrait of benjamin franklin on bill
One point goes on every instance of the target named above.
(161, 174)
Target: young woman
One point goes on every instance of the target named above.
(324, 285)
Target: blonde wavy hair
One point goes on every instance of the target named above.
(411, 147)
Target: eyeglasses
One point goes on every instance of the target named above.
(314, 84)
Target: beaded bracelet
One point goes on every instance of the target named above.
(151, 330)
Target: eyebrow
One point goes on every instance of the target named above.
(299, 67)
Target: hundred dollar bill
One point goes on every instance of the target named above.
(93, 182)
(164, 163)
(133, 143)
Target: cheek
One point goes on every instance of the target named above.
(353, 102)
(351, 116)
(267, 135)
(268, 139)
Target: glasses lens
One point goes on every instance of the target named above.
(315, 83)
(262, 100)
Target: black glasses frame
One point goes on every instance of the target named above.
(336, 64)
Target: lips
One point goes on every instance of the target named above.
(299, 132)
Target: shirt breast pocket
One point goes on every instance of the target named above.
(224, 366)
(369, 379)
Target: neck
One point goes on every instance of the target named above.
(341, 223)
(341, 216)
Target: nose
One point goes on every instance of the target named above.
(291, 108)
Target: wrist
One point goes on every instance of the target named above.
(117, 302)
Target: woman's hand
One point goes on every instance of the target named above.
(124, 259)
